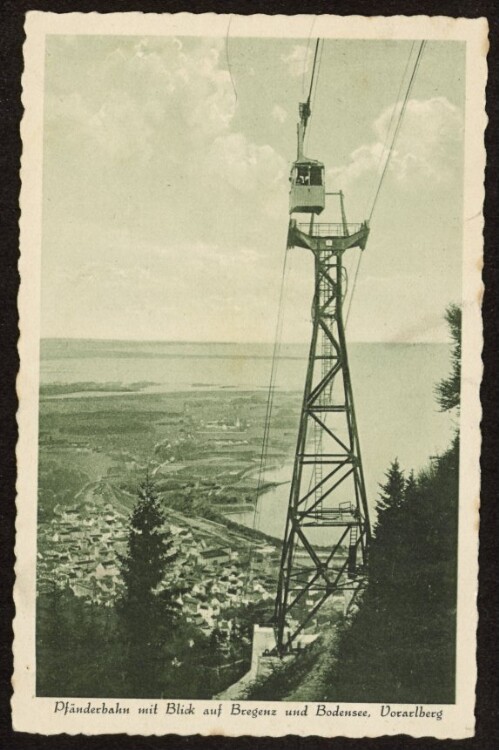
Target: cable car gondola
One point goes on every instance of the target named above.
(308, 190)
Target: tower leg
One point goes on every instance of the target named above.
(327, 528)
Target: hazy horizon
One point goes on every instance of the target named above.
(228, 343)
(393, 383)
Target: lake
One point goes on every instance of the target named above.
(393, 387)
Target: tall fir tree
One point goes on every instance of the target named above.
(393, 490)
(148, 610)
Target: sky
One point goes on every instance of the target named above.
(165, 185)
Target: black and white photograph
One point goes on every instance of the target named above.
(250, 370)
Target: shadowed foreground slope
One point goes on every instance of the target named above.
(400, 644)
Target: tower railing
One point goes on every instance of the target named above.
(321, 229)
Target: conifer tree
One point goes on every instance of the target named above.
(148, 610)
(393, 491)
(448, 390)
(411, 487)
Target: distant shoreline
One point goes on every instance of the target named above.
(181, 342)
(93, 389)
(111, 349)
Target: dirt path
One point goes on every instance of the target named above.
(312, 688)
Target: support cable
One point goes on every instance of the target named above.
(227, 56)
(309, 99)
(277, 347)
(313, 94)
(280, 316)
(394, 111)
(269, 408)
(305, 60)
(313, 71)
(390, 150)
(399, 123)
(353, 286)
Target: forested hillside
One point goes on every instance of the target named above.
(399, 644)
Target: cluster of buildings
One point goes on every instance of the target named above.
(80, 547)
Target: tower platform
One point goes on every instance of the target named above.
(320, 237)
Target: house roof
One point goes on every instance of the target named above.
(215, 552)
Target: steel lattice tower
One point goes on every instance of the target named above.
(327, 489)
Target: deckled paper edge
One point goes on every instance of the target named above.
(29, 712)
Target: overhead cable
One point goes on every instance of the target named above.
(270, 404)
(313, 94)
(390, 150)
(305, 59)
(399, 123)
(394, 109)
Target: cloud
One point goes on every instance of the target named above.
(166, 290)
(145, 94)
(279, 113)
(426, 150)
(298, 60)
(142, 130)
(153, 195)
(245, 166)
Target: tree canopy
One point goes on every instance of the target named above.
(448, 390)
(399, 645)
(148, 607)
(148, 557)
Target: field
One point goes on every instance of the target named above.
(197, 446)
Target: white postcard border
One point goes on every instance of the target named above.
(33, 714)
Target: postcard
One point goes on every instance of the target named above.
(250, 314)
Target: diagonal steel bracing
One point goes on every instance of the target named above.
(327, 528)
